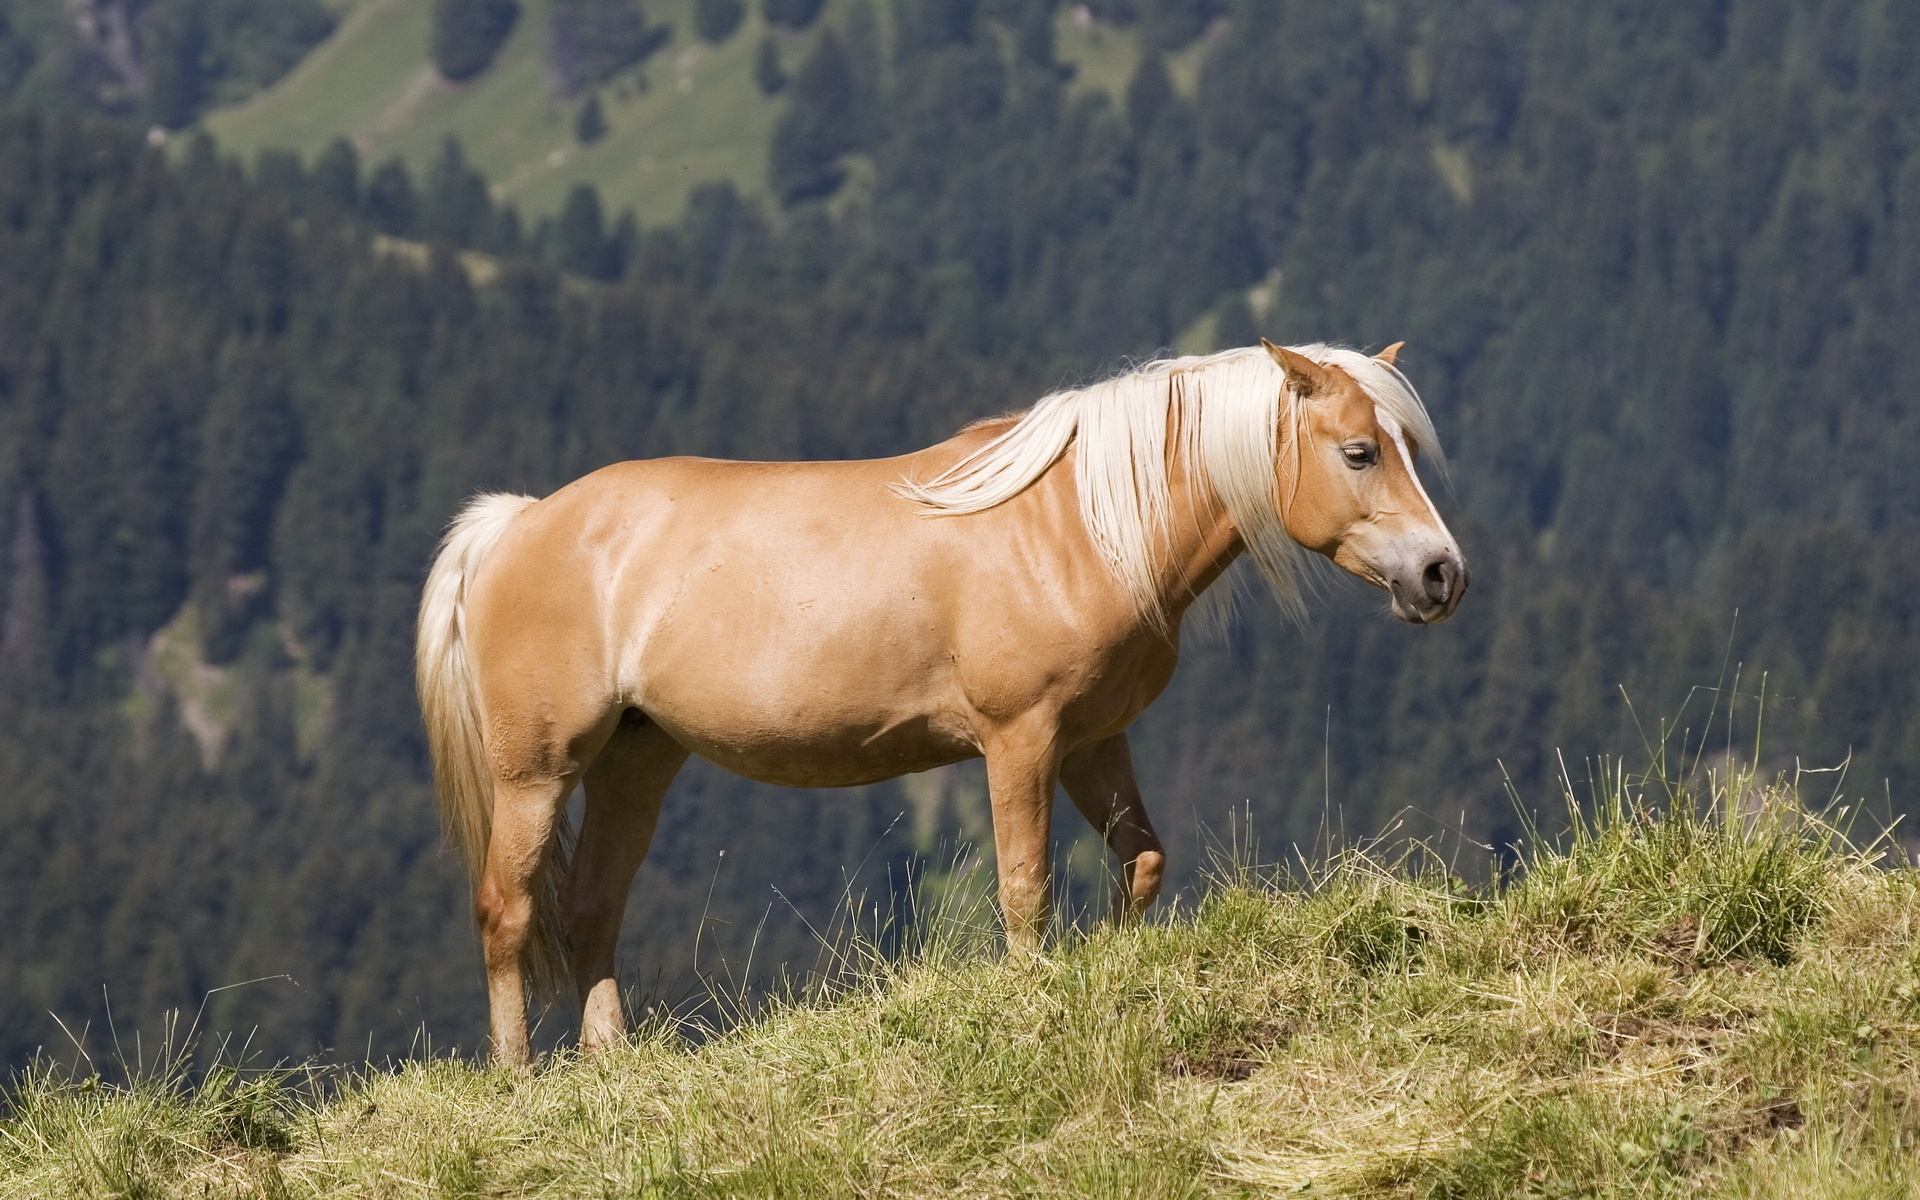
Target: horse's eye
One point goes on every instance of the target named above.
(1361, 455)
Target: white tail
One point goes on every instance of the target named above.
(450, 703)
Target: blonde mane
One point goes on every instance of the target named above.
(1227, 415)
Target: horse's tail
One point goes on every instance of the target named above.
(450, 702)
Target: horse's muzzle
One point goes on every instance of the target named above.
(1432, 596)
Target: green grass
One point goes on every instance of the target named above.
(1104, 57)
(1717, 999)
(688, 115)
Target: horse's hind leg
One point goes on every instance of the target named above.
(625, 786)
(525, 813)
(1099, 780)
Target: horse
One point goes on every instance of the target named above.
(1014, 593)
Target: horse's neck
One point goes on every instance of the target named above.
(1201, 542)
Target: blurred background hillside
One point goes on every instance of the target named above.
(282, 281)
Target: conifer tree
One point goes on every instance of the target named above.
(580, 238)
(711, 226)
(391, 205)
(1033, 33)
(247, 442)
(467, 34)
(334, 184)
(715, 20)
(591, 124)
(862, 39)
(928, 25)
(622, 245)
(821, 124)
(456, 207)
(1148, 93)
(175, 42)
(16, 57)
(794, 14)
(768, 75)
(1171, 24)
(279, 172)
(506, 236)
(26, 632)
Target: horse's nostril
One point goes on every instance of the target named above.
(1438, 579)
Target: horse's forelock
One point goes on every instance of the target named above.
(1393, 394)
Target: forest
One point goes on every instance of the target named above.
(1657, 267)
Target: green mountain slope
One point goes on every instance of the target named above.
(689, 114)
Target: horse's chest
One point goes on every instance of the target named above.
(1089, 682)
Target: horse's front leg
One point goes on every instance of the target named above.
(1099, 779)
(1022, 770)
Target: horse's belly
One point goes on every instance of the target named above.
(827, 677)
(815, 749)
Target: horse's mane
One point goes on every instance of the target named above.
(1224, 413)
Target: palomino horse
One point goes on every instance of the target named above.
(1015, 593)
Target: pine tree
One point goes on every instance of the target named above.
(456, 207)
(711, 226)
(928, 25)
(279, 172)
(467, 34)
(506, 237)
(16, 57)
(247, 443)
(591, 124)
(334, 184)
(390, 204)
(1148, 93)
(580, 235)
(1171, 24)
(1033, 34)
(623, 244)
(715, 20)
(176, 50)
(862, 39)
(767, 72)
(26, 633)
(821, 124)
(794, 14)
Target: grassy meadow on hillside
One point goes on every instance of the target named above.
(1690, 996)
(690, 114)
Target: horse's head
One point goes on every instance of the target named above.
(1352, 493)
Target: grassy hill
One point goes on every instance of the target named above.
(1678, 1005)
(690, 114)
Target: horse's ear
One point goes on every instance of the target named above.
(1305, 376)
(1390, 353)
